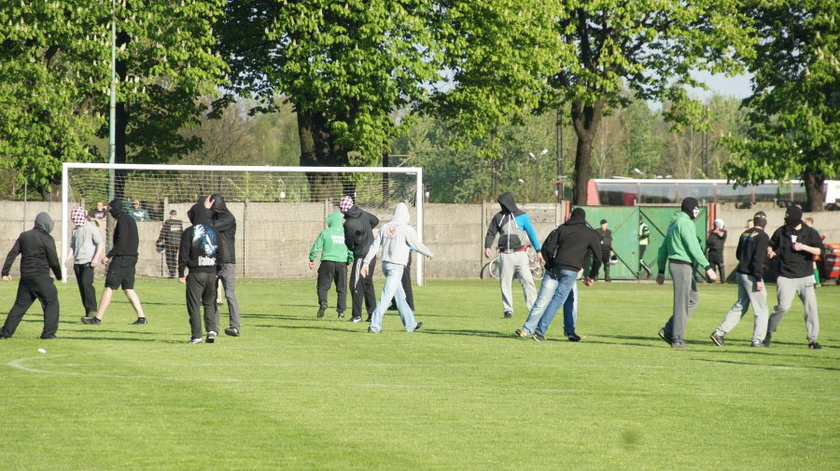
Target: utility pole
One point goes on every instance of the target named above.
(112, 138)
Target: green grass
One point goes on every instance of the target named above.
(462, 393)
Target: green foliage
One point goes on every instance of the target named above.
(55, 63)
(351, 62)
(794, 110)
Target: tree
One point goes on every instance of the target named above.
(648, 47)
(55, 59)
(345, 66)
(795, 105)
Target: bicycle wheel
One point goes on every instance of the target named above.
(490, 269)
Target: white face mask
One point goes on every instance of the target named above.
(694, 213)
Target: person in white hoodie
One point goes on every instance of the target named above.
(394, 239)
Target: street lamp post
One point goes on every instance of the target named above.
(537, 171)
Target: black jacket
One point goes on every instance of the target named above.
(126, 239)
(793, 264)
(571, 241)
(37, 251)
(225, 224)
(200, 250)
(752, 252)
(715, 243)
(358, 230)
(606, 239)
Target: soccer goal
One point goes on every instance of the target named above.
(279, 210)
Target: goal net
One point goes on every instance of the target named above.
(279, 210)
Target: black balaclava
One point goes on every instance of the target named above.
(760, 219)
(690, 206)
(578, 216)
(198, 214)
(793, 216)
(116, 208)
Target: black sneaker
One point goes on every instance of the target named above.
(91, 320)
(717, 339)
(140, 321)
(759, 345)
(508, 315)
(321, 312)
(664, 337)
(355, 319)
(539, 338)
(211, 336)
(369, 317)
(680, 344)
(419, 324)
(766, 340)
(341, 315)
(573, 337)
(814, 346)
(48, 337)
(232, 331)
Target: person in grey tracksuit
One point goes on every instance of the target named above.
(796, 245)
(752, 255)
(513, 226)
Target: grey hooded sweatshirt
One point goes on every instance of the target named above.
(395, 238)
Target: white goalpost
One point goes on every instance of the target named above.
(279, 210)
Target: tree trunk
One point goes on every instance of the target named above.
(585, 118)
(318, 149)
(814, 191)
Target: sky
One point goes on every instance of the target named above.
(736, 87)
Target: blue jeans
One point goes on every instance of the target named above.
(557, 290)
(392, 290)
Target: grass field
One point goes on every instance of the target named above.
(462, 393)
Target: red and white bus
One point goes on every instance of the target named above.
(631, 191)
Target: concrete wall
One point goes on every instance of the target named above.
(273, 239)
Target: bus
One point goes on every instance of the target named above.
(632, 191)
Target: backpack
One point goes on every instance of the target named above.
(551, 246)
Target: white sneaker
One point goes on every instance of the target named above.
(195, 341)
(211, 336)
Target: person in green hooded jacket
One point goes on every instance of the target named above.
(334, 260)
(681, 251)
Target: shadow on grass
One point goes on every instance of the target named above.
(468, 333)
(312, 327)
(113, 339)
(772, 365)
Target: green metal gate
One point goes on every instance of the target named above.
(625, 223)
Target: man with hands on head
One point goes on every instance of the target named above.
(681, 250)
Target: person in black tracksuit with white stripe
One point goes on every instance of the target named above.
(38, 256)
(201, 252)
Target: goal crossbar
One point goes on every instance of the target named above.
(68, 166)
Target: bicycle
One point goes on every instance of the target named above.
(491, 269)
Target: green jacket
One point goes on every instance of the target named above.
(681, 243)
(330, 242)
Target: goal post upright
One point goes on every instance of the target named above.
(68, 166)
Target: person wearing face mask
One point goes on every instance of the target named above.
(681, 251)
(796, 245)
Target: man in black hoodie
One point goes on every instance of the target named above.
(38, 257)
(201, 252)
(564, 252)
(225, 224)
(122, 262)
(796, 245)
(358, 236)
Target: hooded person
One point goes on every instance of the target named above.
(564, 252)
(514, 230)
(358, 236)
(715, 242)
(200, 252)
(86, 249)
(681, 251)
(38, 257)
(225, 223)
(795, 244)
(122, 264)
(752, 255)
(394, 239)
(335, 257)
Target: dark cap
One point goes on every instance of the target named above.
(603, 221)
(760, 219)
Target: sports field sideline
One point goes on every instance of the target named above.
(295, 392)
